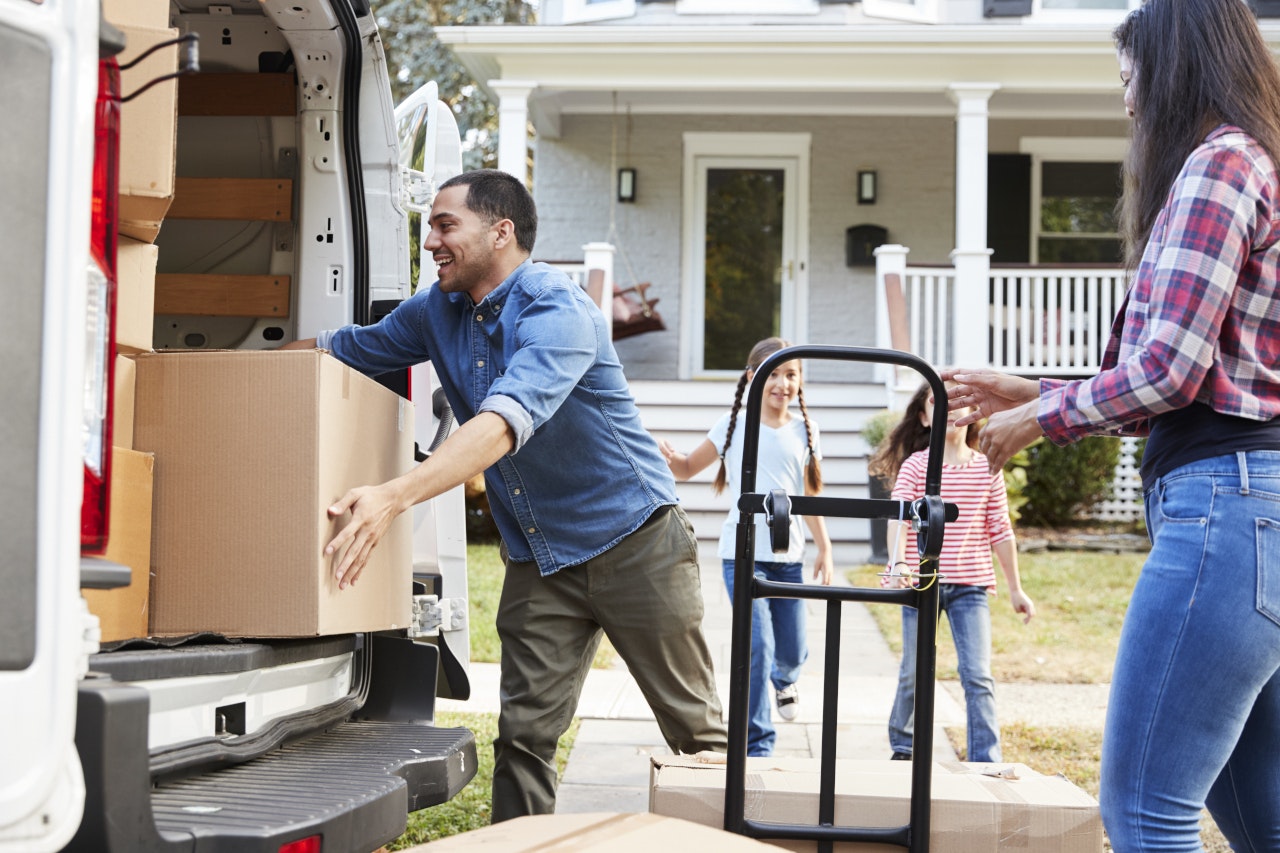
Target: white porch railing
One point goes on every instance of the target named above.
(1052, 321)
(1039, 321)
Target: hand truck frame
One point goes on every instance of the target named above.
(930, 515)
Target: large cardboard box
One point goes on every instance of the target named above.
(603, 832)
(148, 133)
(135, 294)
(976, 808)
(251, 450)
(123, 613)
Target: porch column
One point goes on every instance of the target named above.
(971, 257)
(513, 125)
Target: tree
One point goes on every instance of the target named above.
(415, 56)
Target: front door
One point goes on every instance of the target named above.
(744, 245)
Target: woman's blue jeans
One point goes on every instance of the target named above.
(778, 648)
(1194, 714)
(969, 616)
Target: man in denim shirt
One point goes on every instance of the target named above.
(592, 536)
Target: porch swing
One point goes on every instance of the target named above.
(633, 310)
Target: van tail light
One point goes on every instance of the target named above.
(100, 325)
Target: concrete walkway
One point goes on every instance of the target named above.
(608, 769)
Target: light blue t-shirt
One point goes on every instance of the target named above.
(584, 472)
(780, 461)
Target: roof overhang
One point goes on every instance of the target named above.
(1045, 71)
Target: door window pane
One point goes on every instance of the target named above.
(743, 263)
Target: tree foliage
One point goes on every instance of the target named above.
(415, 56)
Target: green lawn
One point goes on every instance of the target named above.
(1080, 600)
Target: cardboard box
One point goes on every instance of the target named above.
(251, 450)
(123, 613)
(125, 384)
(135, 294)
(607, 833)
(137, 13)
(973, 811)
(148, 133)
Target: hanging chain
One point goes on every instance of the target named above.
(613, 192)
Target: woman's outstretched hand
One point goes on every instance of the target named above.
(986, 392)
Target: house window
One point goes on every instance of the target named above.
(1075, 183)
(1083, 11)
(747, 7)
(1077, 214)
(581, 11)
(925, 11)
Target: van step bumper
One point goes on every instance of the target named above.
(353, 785)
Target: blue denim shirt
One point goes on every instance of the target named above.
(584, 473)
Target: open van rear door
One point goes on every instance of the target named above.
(430, 154)
(49, 60)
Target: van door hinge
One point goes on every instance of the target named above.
(432, 614)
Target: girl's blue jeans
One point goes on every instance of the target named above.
(1194, 714)
(969, 616)
(778, 648)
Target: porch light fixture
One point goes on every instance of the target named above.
(867, 186)
(627, 185)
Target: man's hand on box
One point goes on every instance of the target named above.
(372, 509)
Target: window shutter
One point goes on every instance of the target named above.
(1009, 208)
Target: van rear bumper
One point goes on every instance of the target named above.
(354, 784)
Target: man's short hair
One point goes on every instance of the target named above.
(494, 195)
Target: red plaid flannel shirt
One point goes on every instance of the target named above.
(1201, 321)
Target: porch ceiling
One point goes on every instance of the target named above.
(1046, 71)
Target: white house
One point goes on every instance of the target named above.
(774, 144)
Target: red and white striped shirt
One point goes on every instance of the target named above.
(983, 521)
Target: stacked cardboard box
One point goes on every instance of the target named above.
(148, 123)
(976, 808)
(124, 613)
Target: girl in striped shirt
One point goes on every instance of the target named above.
(966, 579)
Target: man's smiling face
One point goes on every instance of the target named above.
(462, 245)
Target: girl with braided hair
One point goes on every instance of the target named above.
(789, 459)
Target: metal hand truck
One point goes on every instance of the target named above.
(930, 515)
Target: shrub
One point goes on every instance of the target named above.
(877, 426)
(1063, 483)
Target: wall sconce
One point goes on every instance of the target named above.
(626, 185)
(867, 186)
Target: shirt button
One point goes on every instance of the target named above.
(480, 363)
(532, 530)
(516, 492)
(479, 317)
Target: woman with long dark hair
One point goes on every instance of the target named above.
(1194, 363)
